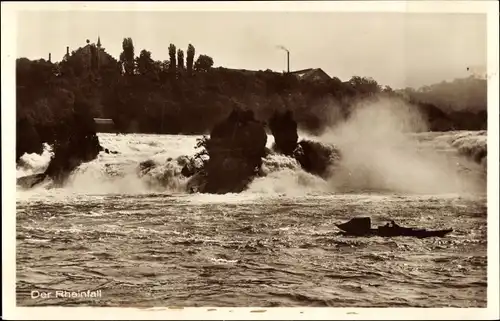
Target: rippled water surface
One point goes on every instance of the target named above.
(265, 247)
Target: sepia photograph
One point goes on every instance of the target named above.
(251, 158)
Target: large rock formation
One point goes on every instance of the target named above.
(76, 142)
(316, 158)
(27, 138)
(235, 150)
(284, 129)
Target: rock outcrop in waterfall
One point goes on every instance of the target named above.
(237, 145)
(230, 158)
(314, 157)
(235, 150)
(284, 129)
(317, 158)
(76, 142)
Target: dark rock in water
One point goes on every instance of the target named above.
(108, 151)
(230, 175)
(70, 154)
(284, 129)
(189, 166)
(76, 142)
(27, 138)
(146, 166)
(361, 226)
(31, 180)
(235, 149)
(316, 158)
(197, 182)
(188, 170)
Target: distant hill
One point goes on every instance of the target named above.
(465, 94)
(464, 101)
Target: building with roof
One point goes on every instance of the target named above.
(311, 74)
(91, 51)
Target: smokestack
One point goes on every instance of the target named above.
(287, 57)
(67, 50)
(288, 61)
(50, 57)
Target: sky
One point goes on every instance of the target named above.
(396, 49)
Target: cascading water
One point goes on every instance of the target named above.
(137, 235)
(453, 154)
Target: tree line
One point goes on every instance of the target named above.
(187, 95)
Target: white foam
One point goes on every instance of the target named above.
(285, 176)
(34, 163)
(381, 152)
(378, 153)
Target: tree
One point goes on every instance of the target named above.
(364, 85)
(190, 58)
(127, 56)
(145, 64)
(387, 89)
(203, 63)
(165, 65)
(180, 59)
(171, 53)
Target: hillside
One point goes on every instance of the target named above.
(185, 95)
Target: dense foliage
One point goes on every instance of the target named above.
(187, 95)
